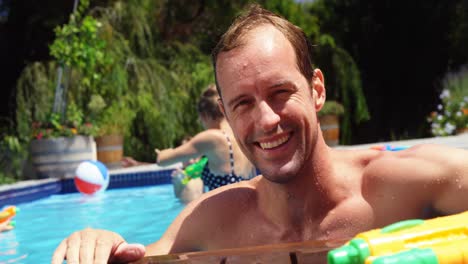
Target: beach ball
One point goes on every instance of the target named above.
(91, 177)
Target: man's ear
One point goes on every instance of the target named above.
(221, 106)
(318, 89)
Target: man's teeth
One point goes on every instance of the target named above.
(273, 144)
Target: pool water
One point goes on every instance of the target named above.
(140, 215)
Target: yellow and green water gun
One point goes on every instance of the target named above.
(440, 240)
(194, 170)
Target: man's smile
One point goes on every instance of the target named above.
(274, 141)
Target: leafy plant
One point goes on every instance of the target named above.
(78, 45)
(12, 157)
(99, 71)
(116, 119)
(52, 126)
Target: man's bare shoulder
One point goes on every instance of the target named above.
(221, 209)
(228, 195)
(415, 160)
(410, 180)
(404, 169)
(419, 165)
(355, 158)
(223, 202)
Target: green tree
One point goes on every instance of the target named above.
(164, 77)
(343, 80)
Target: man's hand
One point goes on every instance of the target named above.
(97, 246)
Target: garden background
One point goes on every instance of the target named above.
(137, 67)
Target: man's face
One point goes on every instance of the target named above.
(269, 103)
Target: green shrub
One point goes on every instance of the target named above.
(452, 113)
(12, 156)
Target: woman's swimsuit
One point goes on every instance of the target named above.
(214, 181)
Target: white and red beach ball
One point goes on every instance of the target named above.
(91, 177)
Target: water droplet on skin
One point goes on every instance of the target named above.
(346, 223)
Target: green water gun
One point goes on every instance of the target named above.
(194, 170)
(441, 240)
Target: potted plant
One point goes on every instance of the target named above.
(101, 70)
(64, 138)
(82, 53)
(57, 147)
(329, 121)
(114, 122)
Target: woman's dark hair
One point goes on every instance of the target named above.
(208, 103)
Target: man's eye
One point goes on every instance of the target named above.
(282, 91)
(241, 104)
(281, 94)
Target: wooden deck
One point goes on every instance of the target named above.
(288, 253)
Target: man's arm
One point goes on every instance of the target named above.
(188, 231)
(429, 175)
(453, 166)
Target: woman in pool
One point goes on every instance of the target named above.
(185, 188)
(226, 162)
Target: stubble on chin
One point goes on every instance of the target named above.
(276, 176)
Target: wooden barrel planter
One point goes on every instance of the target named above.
(330, 126)
(462, 131)
(110, 150)
(59, 157)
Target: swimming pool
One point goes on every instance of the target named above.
(139, 214)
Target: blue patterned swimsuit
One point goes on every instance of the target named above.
(214, 181)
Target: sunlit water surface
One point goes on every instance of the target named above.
(139, 214)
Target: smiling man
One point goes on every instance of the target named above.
(270, 95)
(270, 103)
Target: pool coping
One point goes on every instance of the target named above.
(457, 141)
(31, 190)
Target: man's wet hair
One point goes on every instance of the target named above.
(254, 17)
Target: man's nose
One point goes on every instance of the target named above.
(266, 117)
